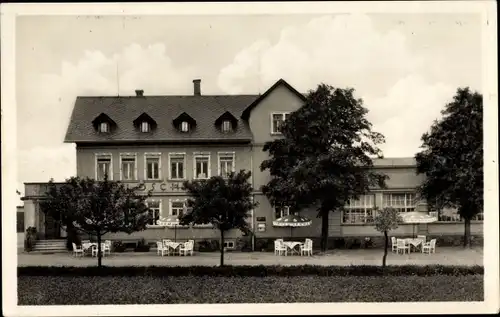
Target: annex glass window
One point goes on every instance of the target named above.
(177, 166)
(201, 167)
(145, 127)
(103, 167)
(226, 164)
(128, 168)
(153, 167)
(154, 210)
(359, 210)
(402, 202)
(277, 121)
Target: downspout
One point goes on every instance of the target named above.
(253, 211)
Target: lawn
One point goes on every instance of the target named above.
(66, 290)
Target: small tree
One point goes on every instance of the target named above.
(97, 207)
(386, 220)
(225, 203)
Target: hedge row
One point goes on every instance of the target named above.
(303, 270)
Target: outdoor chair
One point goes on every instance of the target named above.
(394, 246)
(429, 247)
(402, 246)
(95, 250)
(307, 247)
(77, 250)
(107, 247)
(161, 249)
(186, 248)
(279, 247)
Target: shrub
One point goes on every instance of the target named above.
(208, 245)
(261, 270)
(264, 244)
(30, 238)
(118, 246)
(73, 237)
(142, 246)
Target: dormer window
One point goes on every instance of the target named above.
(184, 123)
(226, 126)
(145, 127)
(184, 126)
(104, 127)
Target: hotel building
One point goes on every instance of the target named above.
(160, 141)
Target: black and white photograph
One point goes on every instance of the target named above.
(214, 158)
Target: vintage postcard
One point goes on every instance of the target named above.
(249, 158)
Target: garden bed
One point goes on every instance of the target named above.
(66, 290)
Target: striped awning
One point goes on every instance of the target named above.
(292, 221)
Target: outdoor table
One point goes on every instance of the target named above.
(413, 242)
(88, 246)
(173, 245)
(291, 245)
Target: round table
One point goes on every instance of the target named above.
(291, 245)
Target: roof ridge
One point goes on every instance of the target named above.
(149, 96)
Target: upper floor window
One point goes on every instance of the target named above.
(277, 120)
(359, 210)
(145, 127)
(177, 165)
(103, 166)
(128, 167)
(226, 126)
(153, 166)
(280, 212)
(154, 211)
(403, 202)
(201, 166)
(226, 163)
(104, 127)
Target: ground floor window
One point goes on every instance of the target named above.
(176, 208)
(155, 208)
(402, 202)
(359, 210)
(229, 244)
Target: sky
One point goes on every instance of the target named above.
(405, 67)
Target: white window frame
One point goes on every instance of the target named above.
(128, 156)
(106, 129)
(160, 209)
(365, 204)
(225, 155)
(170, 155)
(184, 126)
(408, 203)
(283, 116)
(96, 164)
(284, 211)
(171, 205)
(145, 127)
(199, 156)
(226, 126)
(152, 155)
(227, 244)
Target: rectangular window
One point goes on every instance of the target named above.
(153, 167)
(229, 244)
(128, 167)
(226, 126)
(359, 210)
(20, 221)
(226, 164)
(277, 120)
(280, 212)
(201, 166)
(403, 202)
(177, 166)
(103, 167)
(176, 208)
(155, 210)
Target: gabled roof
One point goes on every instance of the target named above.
(246, 113)
(205, 109)
(144, 117)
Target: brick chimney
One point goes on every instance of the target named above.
(196, 87)
(139, 93)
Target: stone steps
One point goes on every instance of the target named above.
(50, 246)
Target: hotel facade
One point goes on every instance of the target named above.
(160, 141)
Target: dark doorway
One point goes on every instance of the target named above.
(52, 228)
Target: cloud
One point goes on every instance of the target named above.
(45, 101)
(348, 51)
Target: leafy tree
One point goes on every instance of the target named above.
(225, 203)
(97, 207)
(325, 156)
(386, 220)
(452, 158)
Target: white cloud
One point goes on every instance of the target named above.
(347, 51)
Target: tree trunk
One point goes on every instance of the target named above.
(467, 233)
(99, 254)
(386, 246)
(222, 248)
(324, 230)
